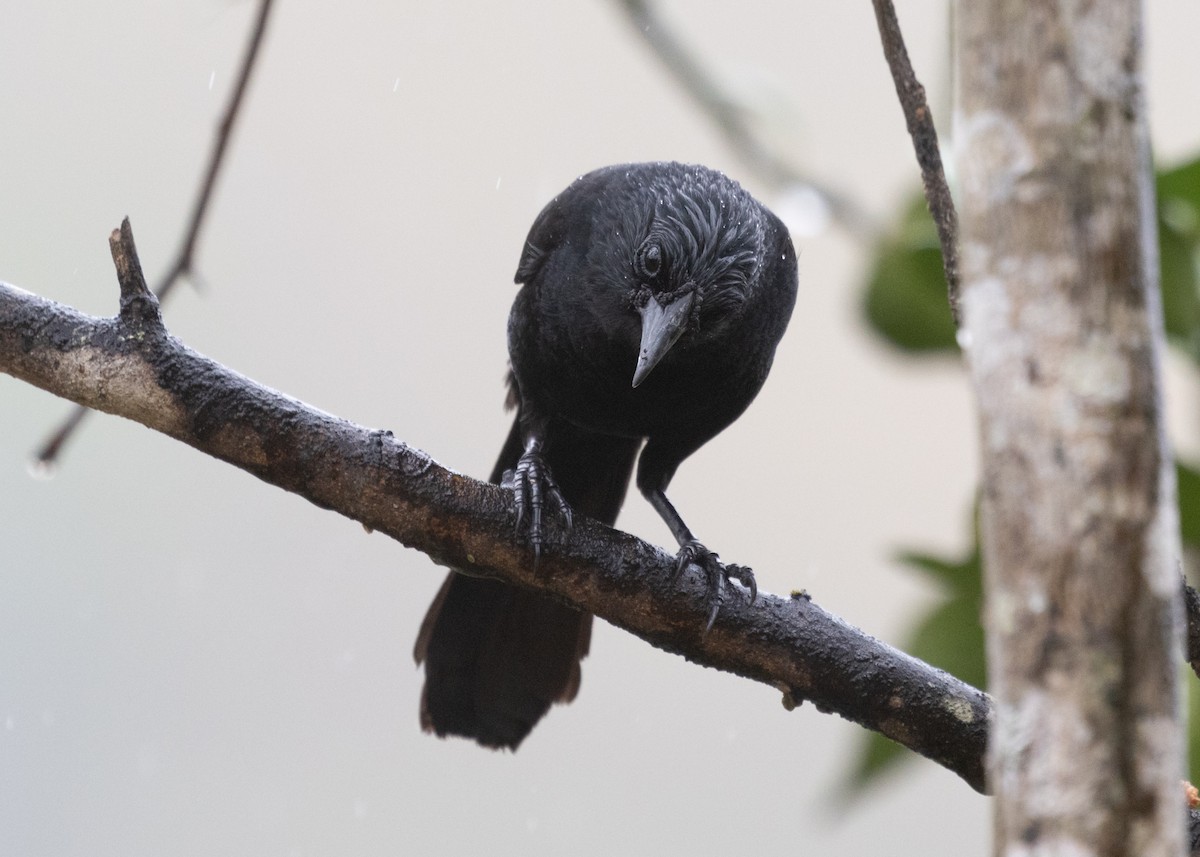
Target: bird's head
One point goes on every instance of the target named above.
(700, 248)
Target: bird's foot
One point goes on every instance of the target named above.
(533, 488)
(716, 574)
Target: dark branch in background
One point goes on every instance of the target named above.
(730, 119)
(184, 264)
(919, 119)
(131, 366)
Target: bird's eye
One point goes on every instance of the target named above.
(650, 260)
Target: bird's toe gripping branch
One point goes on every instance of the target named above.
(716, 573)
(533, 487)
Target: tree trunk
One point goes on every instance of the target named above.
(1063, 336)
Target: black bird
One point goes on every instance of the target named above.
(653, 298)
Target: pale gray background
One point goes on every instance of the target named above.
(193, 662)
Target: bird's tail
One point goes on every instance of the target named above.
(496, 657)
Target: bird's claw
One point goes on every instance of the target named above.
(716, 573)
(532, 484)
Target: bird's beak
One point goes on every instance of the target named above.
(661, 328)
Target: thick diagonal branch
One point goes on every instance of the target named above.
(131, 366)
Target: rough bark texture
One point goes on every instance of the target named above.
(1063, 332)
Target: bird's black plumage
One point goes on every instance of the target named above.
(653, 298)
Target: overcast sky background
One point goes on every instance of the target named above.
(193, 662)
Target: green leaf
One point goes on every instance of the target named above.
(1188, 483)
(905, 298)
(1178, 191)
(1181, 310)
(951, 637)
(1193, 700)
(1180, 182)
(944, 571)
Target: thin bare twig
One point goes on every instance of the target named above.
(183, 266)
(919, 119)
(730, 119)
